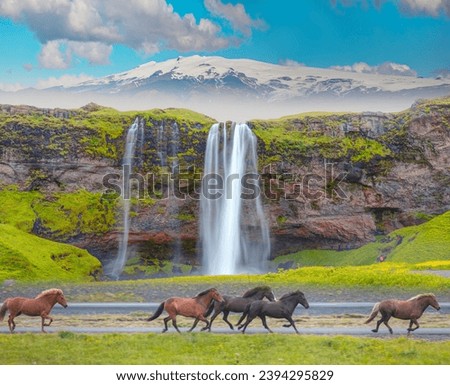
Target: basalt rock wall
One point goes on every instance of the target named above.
(328, 180)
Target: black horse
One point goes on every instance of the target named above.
(238, 304)
(283, 308)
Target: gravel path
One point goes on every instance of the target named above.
(155, 291)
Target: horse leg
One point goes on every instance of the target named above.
(379, 322)
(165, 324)
(195, 324)
(411, 322)
(45, 316)
(385, 320)
(216, 313)
(264, 322)
(241, 320)
(201, 317)
(249, 319)
(49, 322)
(174, 323)
(11, 323)
(291, 321)
(225, 318)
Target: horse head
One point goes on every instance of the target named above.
(302, 299)
(61, 299)
(260, 292)
(434, 303)
(269, 294)
(216, 295)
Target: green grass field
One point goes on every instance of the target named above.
(207, 349)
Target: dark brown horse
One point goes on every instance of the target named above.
(411, 309)
(283, 308)
(40, 306)
(238, 304)
(188, 307)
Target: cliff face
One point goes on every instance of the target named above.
(328, 180)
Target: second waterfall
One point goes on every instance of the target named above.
(233, 229)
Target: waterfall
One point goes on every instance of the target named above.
(135, 133)
(173, 145)
(233, 230)
(161, 148)
(173, 200)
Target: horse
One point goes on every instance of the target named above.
(411, 309)
(238, 304)
(41, 306)
(188, 307)
(283, 308)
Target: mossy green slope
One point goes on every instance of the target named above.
(429, 241)
(93, 130)
(294, 137)
(27, 257)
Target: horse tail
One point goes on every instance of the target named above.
(3, 310)
(157, 312)
(374, 313)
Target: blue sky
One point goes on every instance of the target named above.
(66, 40)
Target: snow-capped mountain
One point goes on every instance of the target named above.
(238, 89)
(196, 75)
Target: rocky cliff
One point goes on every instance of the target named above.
(328, 180)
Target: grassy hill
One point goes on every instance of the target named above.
(27, 257)
(429, 241)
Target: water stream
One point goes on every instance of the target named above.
(134, 135)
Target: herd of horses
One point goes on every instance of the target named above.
(257, 302)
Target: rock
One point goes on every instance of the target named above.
(334, 203)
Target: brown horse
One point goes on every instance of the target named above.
(188, 307)
(40, 306)
(411, 309)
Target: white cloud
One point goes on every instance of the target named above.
(428, 7)
(58, 54)
(89, 28)
(11, 87)
(386, 68)
(94, 52)
(292, 63)
(64, 81)
(236, 15)
(412, 7)
(52, 57)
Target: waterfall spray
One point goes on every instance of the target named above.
(135, 133)
(234, 233)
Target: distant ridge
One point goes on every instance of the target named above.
(245, 77)
(238, 89)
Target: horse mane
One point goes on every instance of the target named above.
(251, 292)
(419, 296)
(49, 292)
(284, 296)
(204, 292)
